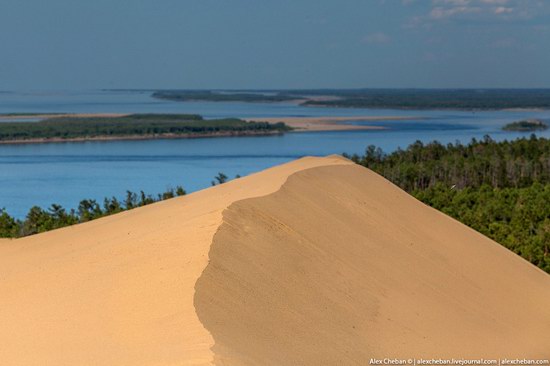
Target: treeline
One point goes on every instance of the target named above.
(131, 125)
(39, 220)
(501, 189)
(470, 99)
(516, 164)
(222, 96)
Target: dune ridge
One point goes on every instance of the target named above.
(314, 262)
(119, 290)
(340, 266)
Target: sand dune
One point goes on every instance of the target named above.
(119, 290)
(315, 262)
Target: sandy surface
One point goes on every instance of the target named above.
(339, 266)
(119, 290)
(304, 124)
(315, 262)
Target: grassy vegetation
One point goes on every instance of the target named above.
(499, 189)
(526, 125)
(131, 125)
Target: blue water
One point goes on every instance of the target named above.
(65, 173)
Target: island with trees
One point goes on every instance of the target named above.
(526, 126)
(131, 127)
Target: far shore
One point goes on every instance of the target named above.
(58, 115)
(310, 124)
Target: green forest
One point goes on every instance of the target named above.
(501, 189)
(131, 125)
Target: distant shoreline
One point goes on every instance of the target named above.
(17, 116)
(404, 99)
(421, 109)
(141, 137)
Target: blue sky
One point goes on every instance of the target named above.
(75, 44)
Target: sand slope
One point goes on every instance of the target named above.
(119, 290)
(339, 266)
(316, 262)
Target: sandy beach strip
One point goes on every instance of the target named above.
(307, 124)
